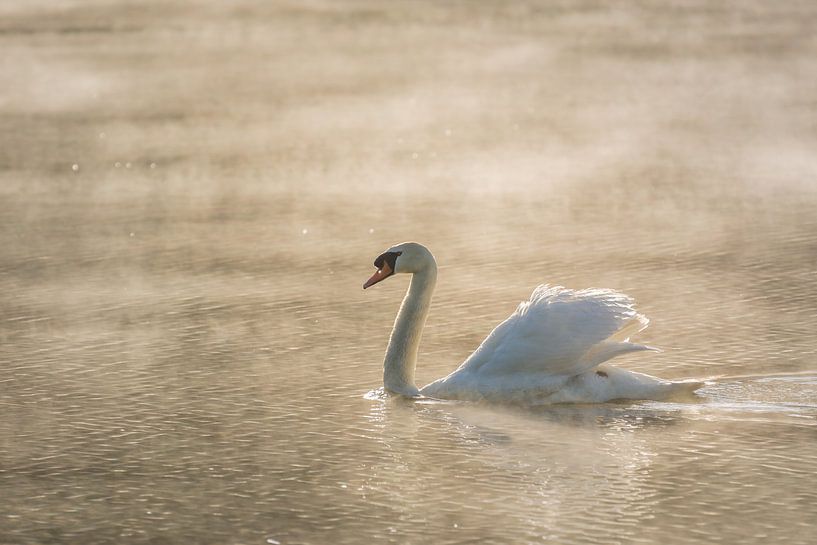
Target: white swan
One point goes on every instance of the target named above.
(550, 350)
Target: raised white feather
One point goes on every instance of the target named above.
(560, 332)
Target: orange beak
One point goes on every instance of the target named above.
(381, 274)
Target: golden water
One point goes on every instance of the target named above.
(191, 197)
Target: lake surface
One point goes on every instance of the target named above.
(192, 196)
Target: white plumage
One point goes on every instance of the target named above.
(551, 349)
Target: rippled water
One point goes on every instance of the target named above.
(187, 355)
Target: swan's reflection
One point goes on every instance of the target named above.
(567, 470)
(550, 465)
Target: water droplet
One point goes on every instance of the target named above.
(132, 234)
(153, 165)
(75, 167)
(415, 155)
(304, 231)
(102, 135)
(117, 164)
(371, 231)
(127, 165)
(448, 132)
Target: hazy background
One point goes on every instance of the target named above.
(191, 196)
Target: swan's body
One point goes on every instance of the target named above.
(552, 349)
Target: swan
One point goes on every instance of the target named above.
(552, 348)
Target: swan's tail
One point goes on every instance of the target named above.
(684, 387)
(634, 385)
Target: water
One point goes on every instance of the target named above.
(187, 354)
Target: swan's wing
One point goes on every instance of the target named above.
(557, 332)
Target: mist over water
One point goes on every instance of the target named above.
(191, 196)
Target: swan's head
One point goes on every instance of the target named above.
(408, 257)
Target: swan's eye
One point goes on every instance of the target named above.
(388, 257)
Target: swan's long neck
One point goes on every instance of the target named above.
(401, 355)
